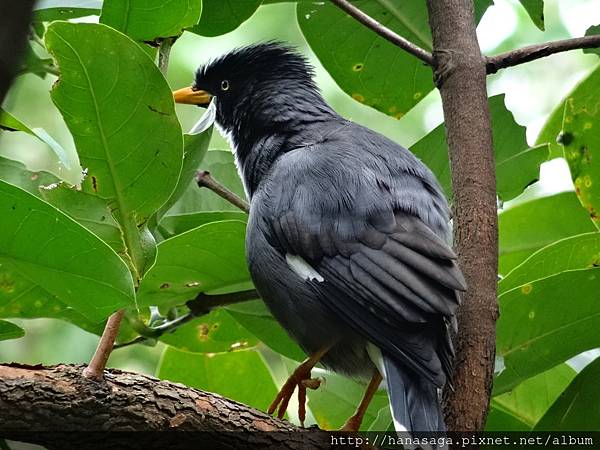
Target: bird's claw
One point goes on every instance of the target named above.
(302, 379)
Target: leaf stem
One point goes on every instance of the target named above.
(164, 51)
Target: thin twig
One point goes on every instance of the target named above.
(95, 369)
(201, 305)
(164, 51)
(384, 31)
(205, 179)
(204, 303)
(537, 51)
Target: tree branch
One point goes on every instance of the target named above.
(205, 179)
(202, 304)
(384, 32)
(59, 409)
(533, 52)
(95, 370)
(461, 75)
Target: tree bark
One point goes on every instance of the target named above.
(460, 71)
(59, 408)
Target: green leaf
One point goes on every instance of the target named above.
(592, 31)
(575, 252)
(214, 333)
(9, 122)
(221, 165)
(90, 211)
(577, 409)
(177, 224)
(255, 317)
(585, 91)
(525, 228)
(50, 10)
(194, 150)
(146, 20)
(206, 258)
(581, 145)
(241, 376)
(336, 400)
(40, 243)
(546, 322)
(535, 9)
(9, 330)
(120, 112)
(222, 16)
(365, 65)
(528, 402)
(16, 173)
(517, 166)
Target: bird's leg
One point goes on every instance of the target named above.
(300, 377)
(353, 423)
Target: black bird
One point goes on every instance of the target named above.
(347, 239)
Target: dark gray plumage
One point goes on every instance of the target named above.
(347, 239)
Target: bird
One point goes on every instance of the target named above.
(348, 239)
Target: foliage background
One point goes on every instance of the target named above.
(541, 214)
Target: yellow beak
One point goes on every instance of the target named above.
(191, 97)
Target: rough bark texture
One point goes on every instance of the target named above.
(461, 76)
(58, 408)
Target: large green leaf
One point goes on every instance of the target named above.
(221, 165)
(16, 173)
(90, 211)
(214, 333)
(581, 143)
(530, 226)
(50, 10)
(172, 225)
(365, 65)
(576, 252)
(146, 20)
(9, 330)
(528, 402)
(206, 258)
(194, 150)
(222, 16)
(546, 322)
(577, 409)
(336, 400)
(42, 246)
(120, 112)
(11, 123)
(535, 9)
(585, 91)
(241, 375)
(255, 317)
(517, 165)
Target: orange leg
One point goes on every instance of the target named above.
(353, 423)
(301, 378)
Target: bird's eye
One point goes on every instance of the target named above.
(224, 85)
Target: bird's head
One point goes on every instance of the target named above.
(256, 86)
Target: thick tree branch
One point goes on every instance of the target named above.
(461, 74)
(533, 52)
(384, 32)
(205, 179)
(58, 408)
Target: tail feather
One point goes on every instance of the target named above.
(413, 400)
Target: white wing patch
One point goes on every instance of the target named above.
(303, 269)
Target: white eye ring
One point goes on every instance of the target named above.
(224, 85)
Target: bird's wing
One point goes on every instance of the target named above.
(360, 228)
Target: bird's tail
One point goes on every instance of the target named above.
(413, 400)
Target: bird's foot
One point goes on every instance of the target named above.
(301, 378)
